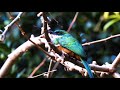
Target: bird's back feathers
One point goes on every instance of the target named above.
(69, 42)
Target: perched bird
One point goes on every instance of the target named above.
(65, 42)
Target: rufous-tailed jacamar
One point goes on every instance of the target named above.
(70, 45)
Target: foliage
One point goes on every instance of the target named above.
(83, 29)
(115, 17)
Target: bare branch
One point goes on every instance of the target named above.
(26, 36)
(36, 41)
(36, 69)
(45, 23)
(49, 69)
(116, 75)
(43, 74)
(27, 45)
(39, 14)
(3, 35)
(116, 62)
(102, 40)
(73, 21)
(55, 66)
(18, 52)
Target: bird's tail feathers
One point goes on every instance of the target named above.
(88, 68)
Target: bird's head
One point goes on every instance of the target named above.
(58, 32)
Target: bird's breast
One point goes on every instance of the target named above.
(69, 52)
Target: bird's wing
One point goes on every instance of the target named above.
(69, 42)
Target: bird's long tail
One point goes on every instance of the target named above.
(88, 68)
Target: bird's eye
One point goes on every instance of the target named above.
(57, 32)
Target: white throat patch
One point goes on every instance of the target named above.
(53, 37)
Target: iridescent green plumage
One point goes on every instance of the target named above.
(72, 44)
(67, 41)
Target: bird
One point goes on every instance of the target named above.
(66, 43)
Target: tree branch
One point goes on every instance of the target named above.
(36, 41)
(102, 40)
(116, 75)
(44, 74)
(3, 35)
(73, 21)
(27, 45)
(116, 62)
(36, 69)
(26, 36)
(16, 53)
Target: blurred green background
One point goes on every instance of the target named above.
(89, 26)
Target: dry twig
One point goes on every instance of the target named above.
(36, 69)
(102, 40)
(74, 19)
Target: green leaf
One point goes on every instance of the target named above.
(117, 13)
(114, 16)
(107, 25)
(106, 15)
(4, 48)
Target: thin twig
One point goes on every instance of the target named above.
(45, 23)
(12, 57)
(101, 40)
(49, 69)
(95, 67)
(116, 62)
(26, 36)
(55, 66)
(37, 40)
(37, 68)
(97, 26)
(3, 35)
(43, 74)
(73, 21)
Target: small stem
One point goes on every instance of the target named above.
(43, 73)
(55, 66)
(36, 69)
(3, 35)
(116, 61)
(9, 25)
(101, 40)
(74, 19)
(49, 69)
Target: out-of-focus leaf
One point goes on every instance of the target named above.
(14, 69)
(110, 23)
(117, 13)
(4, 48)
(114, 16)
(16, 33)
(2, 56)
(20, 73)
(105, 15)
(6, 22)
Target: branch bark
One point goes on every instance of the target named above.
(27, 45)
(116, 62)
(73, 21)
(35, 41)
(16, 53)
(3, 35)
(102, 40)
